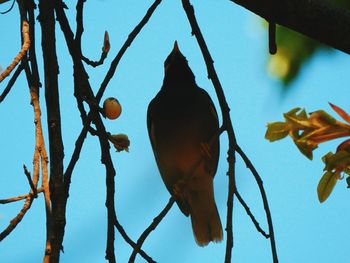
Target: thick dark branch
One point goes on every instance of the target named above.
(150, 228)
(48, 33)
(319, 19)
(83, 88)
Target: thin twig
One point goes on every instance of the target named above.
(265, 201)
(250, 214)
(20, 197)
(22, 52)
(8, 10)
(11, 82)
(95, 63)
(82, 86)
(14, 222)
(150, 228)
(227, 123)
(125, 46)
(110, 73)
(30, 181)
(130, 242)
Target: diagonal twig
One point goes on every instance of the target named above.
(265, 202)
(22, 52)
(30, 181)
(20, 197)
(11, 82)
(250, 214)
(150, 228)
(130, 242)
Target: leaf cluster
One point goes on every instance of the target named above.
(307, 132)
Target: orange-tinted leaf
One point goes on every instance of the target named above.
(344, 146)
(340, 112)
(321, 118)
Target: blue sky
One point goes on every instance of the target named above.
(305, 230)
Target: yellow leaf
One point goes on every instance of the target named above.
(276, 131)
(326, 185)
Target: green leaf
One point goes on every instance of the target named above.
(326, 185)
(293, 112)
(338, 161)
(276, 131)
(305, 148)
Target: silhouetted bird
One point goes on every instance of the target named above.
(183, 128)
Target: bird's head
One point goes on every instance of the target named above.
(176, 69)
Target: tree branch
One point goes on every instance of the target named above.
(318, 19)
(265, 202)
(20, 197)
(150, 228)
(227, 123)
(130, 242)
(250, 214)
(51, 71)
(11, 82)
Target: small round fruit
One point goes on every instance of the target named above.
(112, 108)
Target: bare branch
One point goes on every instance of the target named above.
(14, 222)
(125, 46)
(130, 242)
(150, 228)
(22, 52)
(11, 83)
(247, 209)
(55, 213)
(20, 197)
(264, 199)
(30, 181)
(227, 123)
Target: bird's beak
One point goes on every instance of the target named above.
(176, 47)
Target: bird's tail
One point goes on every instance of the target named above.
(205, 218)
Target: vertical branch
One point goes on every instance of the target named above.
(30, 6)
(41, 151)
(83, 88)
(47, 21)
(227, 123)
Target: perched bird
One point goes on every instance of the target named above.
(184, 131)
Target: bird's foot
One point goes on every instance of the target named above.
(179, 190)
(205, 150)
